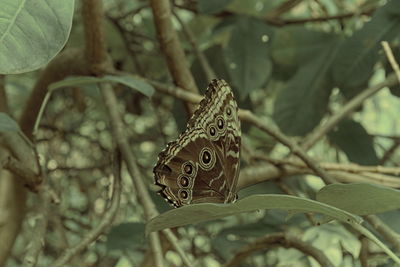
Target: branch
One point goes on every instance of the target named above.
(353, 104)
(347, 174)
(119, 136)
(29, 177)
(279, 22)
(95, 48)
(205, 65)
(171, 47)
(384, 230)
(392, 60)
(3, 95)
(279, 240)
(284, 22)
(137, 179)
(251, 118)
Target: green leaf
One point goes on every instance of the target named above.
(294, 45)
(126, 236)
(360, 198)
(301, 105)
(212, 6)
(355, 142)
(357, 56)
(196, 213)
(132, 82)
(247, 56)
(32, 33)
(128, 80)
(7, 124)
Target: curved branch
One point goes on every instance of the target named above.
(279, 240)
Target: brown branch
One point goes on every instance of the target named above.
(3, 95)
(279, 240)
(95, 47)
(28, 176)
(171, 47)
(364, 253)
(389, 153)
(264, 172)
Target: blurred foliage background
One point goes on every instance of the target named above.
(293, 63)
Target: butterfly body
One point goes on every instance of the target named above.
(202, 165)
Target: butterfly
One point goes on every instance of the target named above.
(202, 165)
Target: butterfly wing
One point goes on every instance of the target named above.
(203, 164)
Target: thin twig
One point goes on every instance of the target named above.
(353, 104)
(141, 189)
(392, 60)
(117, 127)
(389, 153)
(205, 65)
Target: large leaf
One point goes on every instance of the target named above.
(32, 32)
(128, 80)
(355, 142)
(360, 198)
(303, 102)
(357, 56)
(206, 211)
(7, 124)
(212, 7)
(247, 56)
(294, 45)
